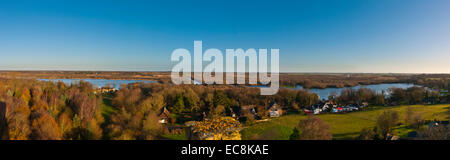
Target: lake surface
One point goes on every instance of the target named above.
(323, 93)
(379, 88)
(98, 82)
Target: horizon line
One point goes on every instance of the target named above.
(40, 70)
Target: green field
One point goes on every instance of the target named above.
(346, 125)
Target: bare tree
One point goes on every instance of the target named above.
(313, 128)
(441, 132)
(385, 123)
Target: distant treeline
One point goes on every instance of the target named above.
(441, 81)
(307, 80)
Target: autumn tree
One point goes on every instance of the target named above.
(65, 125)
(151, 127)
(379, 99)
(17, 117)
(415, 95)
(413, 119)
(313, 128)
(179, 106)
(46, 128)
(306, 98)
(385, 123)
(192, 100)
(398, 95)
(220, 98)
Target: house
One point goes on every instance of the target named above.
(317, 111)
(334, 110)
(107, 89)
(164, 116)
(364, 104)
(350, 108)
(274, 110)
(327, 106)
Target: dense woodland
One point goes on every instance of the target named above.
(47, 110)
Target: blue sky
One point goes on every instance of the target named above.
(388, 36)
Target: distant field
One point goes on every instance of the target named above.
(345, 126)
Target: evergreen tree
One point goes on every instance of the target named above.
(295, 134)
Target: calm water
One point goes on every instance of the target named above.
(324, 93)
(98, 82)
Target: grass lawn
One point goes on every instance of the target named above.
(347, 125)
(107, 111)
(106, 107)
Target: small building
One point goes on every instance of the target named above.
(364, 104)
(327, 106)
(164, 116)
(107, 89)
(317, 111)
(274, 110)
(307, 111)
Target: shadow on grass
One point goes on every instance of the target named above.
(346, 136)
(107, 111)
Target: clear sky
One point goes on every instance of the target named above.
(389, 36)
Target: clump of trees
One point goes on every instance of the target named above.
(413, 119)
(45, 110)
(48, 110)
(394, 96)
(384, 126)
(137, 116)
(311, 128)
(433, 81)
(414, 95)
(441, 132)
(352, 96)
